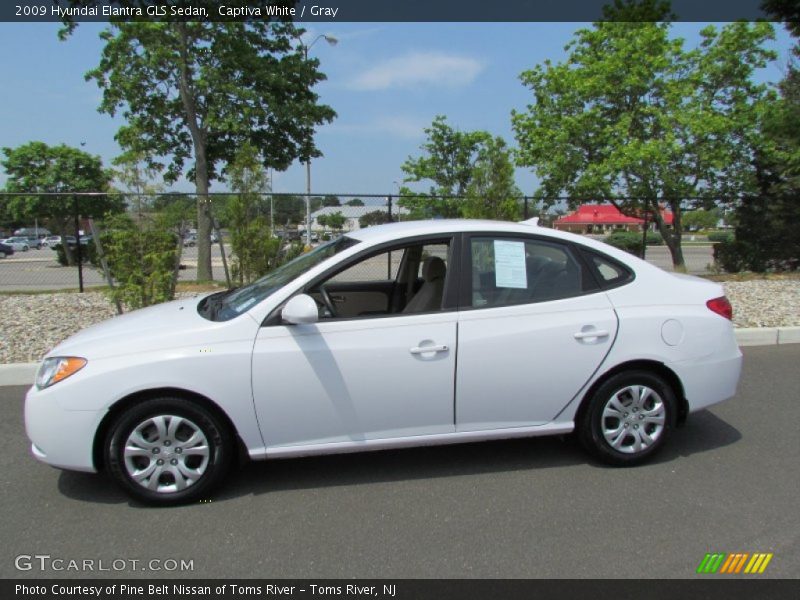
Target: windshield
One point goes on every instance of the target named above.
(231, 303)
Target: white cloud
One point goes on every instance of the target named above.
(399, 126)
(419, 69)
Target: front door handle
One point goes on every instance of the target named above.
(592, 333)
(428, 349)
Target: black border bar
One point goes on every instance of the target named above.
(332, 11)
(708, 587)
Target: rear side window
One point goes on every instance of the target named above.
(507, 271)
(609, 272)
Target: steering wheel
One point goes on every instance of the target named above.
(327, 301)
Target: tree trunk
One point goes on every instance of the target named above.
(672, 238)
(204, 272)
(186, 89)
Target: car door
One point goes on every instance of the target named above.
(349, 379)
(533, 331)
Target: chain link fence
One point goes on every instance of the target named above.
(56, 241)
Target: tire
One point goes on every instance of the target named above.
(628, 418)
(25, 248)
(161, 460)
(2, 254)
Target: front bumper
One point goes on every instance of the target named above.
(60, 438)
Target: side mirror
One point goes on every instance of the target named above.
(300, 309)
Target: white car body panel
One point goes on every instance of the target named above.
(510, 359)
(349, 385)
(338, 367)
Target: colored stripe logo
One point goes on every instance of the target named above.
(734, 563)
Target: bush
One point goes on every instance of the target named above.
(720, 236)
(630, 241)
(88, 254)
(737, 255)
(142, 259)
(654, 238)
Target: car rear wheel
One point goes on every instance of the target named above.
(168, 451)
(628, 418)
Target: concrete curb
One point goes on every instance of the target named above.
(24, 373)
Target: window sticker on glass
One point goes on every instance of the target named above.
(509, 265)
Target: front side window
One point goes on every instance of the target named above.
(507, 271)
(229, 304)
(403, 279)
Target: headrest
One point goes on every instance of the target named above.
(433, 268)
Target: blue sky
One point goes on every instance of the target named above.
(386, 81)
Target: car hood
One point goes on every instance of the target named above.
(172, 324)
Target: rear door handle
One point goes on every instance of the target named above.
(594, 333)
(428, 349)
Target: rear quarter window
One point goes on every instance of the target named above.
(609, 273)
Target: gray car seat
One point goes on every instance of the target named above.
(429, 296)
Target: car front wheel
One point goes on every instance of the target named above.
(168, 451)
(628, 418)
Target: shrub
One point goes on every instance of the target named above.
(654, 238)
(142, 259)
(630, 241)
(720, 236)
(88, 254)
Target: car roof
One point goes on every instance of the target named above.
(394, 231)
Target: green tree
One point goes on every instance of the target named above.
(448, 161)
(375, 217)
(768, 221)
(335, 221)
(354, 202)
(138, 180)
(142, 257)
(701, 219)
(36, 168)
(492, 194)
(289, 210)
(254, 248)
(633, 114)
(199, 90)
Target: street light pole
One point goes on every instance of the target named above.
(306, 47)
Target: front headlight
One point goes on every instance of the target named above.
(57, 368)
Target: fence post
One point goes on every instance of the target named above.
(526, 215)
(78, 253)
(389, 205)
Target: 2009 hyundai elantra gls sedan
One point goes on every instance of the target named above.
(405, 334)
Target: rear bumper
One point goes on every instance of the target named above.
(708, 382)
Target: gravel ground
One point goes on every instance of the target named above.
(31, 324)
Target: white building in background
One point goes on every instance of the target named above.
(352, 214)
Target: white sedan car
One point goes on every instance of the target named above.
(399, 335)
(18, 243)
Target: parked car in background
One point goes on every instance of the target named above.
(191, 239)
(34, 242)
(51, 240)
(5, 250)
(398, 335)
(70, 240)
(18, 243)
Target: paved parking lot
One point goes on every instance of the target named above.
(728, 482)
